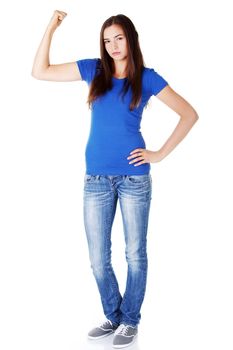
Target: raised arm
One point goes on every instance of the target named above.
(42, 69)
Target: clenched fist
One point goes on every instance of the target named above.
(56, 19)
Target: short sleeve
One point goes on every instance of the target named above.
(156, 82)
(87, 68)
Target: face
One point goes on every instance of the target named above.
(115, 42)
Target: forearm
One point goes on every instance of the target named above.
(41, 61)
(181, 130)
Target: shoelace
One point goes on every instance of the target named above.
(123, 329)
(106, 323)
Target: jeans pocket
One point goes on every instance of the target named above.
(138, 179)
(88, 178)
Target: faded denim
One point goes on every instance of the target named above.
(100, 197)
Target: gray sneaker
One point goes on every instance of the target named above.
(125, 335)
(105, 329)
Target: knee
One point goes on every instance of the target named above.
(99, 266)
(136, 258)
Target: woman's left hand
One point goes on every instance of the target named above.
(143, 155)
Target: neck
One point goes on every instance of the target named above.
(120, 69)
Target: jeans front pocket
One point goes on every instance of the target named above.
(138, 179)
(88, 178)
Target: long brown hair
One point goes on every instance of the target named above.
(103, 79)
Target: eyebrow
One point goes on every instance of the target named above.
(114, 36)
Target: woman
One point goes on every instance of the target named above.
(117, 161)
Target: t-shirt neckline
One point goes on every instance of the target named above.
(119, 78)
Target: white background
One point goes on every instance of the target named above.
(49, 299)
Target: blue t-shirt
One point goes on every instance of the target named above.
(115, 130)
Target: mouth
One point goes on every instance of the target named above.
(116, 53)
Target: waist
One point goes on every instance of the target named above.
(110, 156)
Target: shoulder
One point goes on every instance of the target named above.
(148, 73)
(89, 62)
(88, 67)
(152, 80)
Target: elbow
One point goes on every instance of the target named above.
(195, 117)
(192, 116)
(34, 74)
(39, 74)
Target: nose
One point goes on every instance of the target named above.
(115, 45)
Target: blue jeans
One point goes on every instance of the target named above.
(101, 193)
